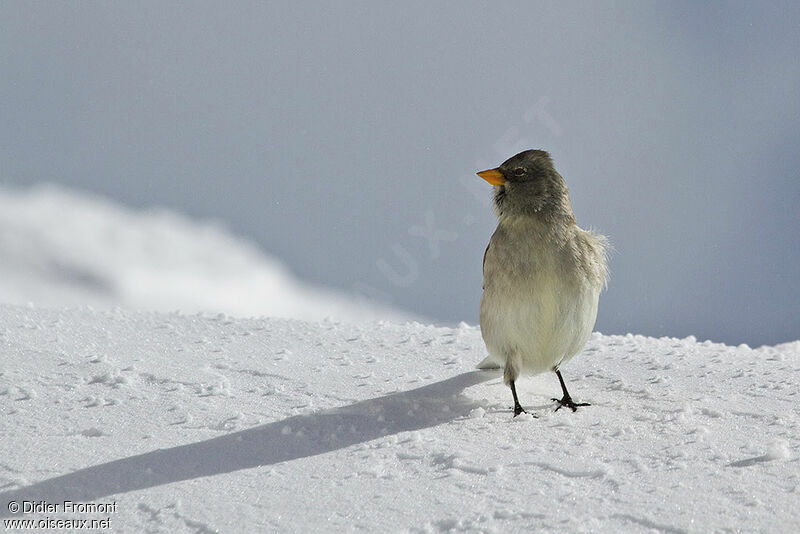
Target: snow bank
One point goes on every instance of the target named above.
(207, 423)
(61, 248)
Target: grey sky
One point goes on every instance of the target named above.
(341, 135)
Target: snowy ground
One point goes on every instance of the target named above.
(210, 424)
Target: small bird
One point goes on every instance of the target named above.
(542, 274)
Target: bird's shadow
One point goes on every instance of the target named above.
(293, 438)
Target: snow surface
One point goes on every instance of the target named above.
(63, 248)
(210, 424)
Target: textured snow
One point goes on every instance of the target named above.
(63, 248)
(204, 423)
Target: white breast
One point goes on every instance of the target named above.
(538, 305)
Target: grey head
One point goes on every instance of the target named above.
(528, 185)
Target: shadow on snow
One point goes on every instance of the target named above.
(293, 438)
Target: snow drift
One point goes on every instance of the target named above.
(62, 248)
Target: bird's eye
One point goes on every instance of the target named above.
(519, 171)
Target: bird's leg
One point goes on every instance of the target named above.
(566, 400)
(517, 406)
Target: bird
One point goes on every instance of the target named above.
(542, 275)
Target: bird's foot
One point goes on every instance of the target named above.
(569, 403)
(518, 409)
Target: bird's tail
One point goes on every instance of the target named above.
(490, 362)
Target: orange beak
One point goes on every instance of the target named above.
(493, 176)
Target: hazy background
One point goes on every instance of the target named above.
(343, 137)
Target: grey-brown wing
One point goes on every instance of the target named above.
(483, 267)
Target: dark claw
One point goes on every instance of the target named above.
(566, 400)
(517, 406)
(518, 409)
(569, 403)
